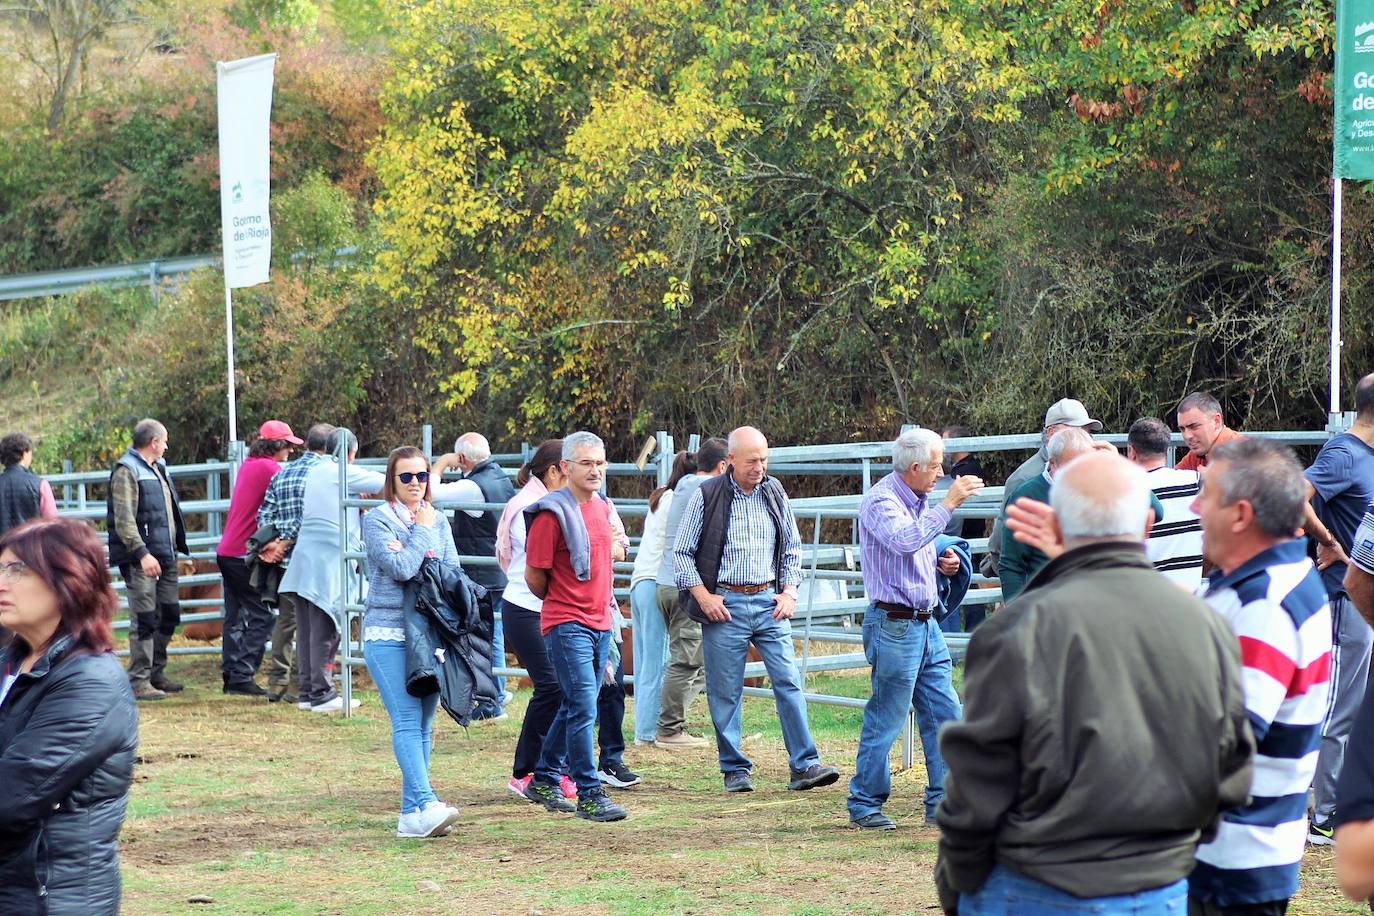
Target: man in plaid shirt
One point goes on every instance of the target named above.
(282, 507)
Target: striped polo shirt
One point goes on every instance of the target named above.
(1277, 606)
(1175, 543)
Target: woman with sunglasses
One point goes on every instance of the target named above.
(68, 728)
(398, 536)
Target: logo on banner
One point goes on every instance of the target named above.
(1366, 45)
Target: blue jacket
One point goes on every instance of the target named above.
(953, 588)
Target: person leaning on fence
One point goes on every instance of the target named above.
(903, 642)
(568, 563)
(68, 725)
(314, 580)
(737, 566)
(1104, 725)
(650, 627)
(398, 537)
(686, 673)
(474, 531)
(247, 619)
(23, 494)
(281, 510)
(146, 532)
(1263, 584)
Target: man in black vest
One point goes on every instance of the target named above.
(474, 531)
(146, 531)
(737, 566)
(23, 494)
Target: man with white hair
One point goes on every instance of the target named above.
(903, 641)
(1104, 723)
(474, 532)
(737, 566)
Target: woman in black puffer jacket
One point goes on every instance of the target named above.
(68, 728)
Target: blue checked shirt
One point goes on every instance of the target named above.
(749, 542)
(284, 503)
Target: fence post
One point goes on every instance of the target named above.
(345, 631)
(909, 740)
(427, 441)
(665, 457)
(66, 487)
(811, 596)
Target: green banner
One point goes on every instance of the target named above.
(1353, 136)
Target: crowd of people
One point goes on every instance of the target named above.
(1166, 709)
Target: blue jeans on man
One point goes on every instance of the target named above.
(578, 654)
(1010, 893)
(725, 646)
(911, 667)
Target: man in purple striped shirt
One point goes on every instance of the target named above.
(902, 639)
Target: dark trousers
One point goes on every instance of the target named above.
(524, 639)
(247, 623)
(1198, 907)
(610, 715)
(317, 642)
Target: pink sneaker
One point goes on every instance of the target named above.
(518, 784)
(568, 786)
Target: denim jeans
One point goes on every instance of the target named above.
(726, 646)
(911, 667)
(1010, 893)
(650, 632)
(412, 719)
(498, 645)
(578, 654)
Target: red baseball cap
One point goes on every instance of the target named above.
(276, 429)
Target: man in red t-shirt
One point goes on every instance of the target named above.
(568, 555)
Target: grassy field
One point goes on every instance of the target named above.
(247, 807)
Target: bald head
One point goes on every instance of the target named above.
(1100, 497)
(748, 457)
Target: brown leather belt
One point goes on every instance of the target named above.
(745, 589)
(902, 612)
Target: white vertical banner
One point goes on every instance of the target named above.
(245, 119)
(245, 123)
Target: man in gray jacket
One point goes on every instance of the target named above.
(1104, 728)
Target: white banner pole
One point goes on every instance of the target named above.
(229, 362)
(1336, 301)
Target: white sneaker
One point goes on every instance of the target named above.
(435, 819)
(303, 704)
(334, 705)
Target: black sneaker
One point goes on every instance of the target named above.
(738, 781)
(618, 775)
(166, 686)
(597, 807)
(244, 689)
(813, 777)
(280, 696)
(873, 821)
(1320, 833)
(551, 797)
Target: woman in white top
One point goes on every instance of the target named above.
(649, 628)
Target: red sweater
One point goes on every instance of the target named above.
(250, 487)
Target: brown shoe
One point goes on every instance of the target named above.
(679, 740)
(148, 692)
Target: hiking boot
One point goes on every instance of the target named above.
(679, 740)
(168, 686)
(813, 777)
(244, 689)
(874, 821)
(1320, 833)
(148, 692)
(597, 807)
(738, 781)
(618, 775)
(541, 793)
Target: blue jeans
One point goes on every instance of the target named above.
(911, 667)
(650, 632)
(725, 647)
(1010, 893)
(498, 645)
(412, 719)
(578, 654)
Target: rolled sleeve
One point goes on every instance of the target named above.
(791, 547)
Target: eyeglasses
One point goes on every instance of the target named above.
(590, 463)
(408, 476)
(12, 571)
